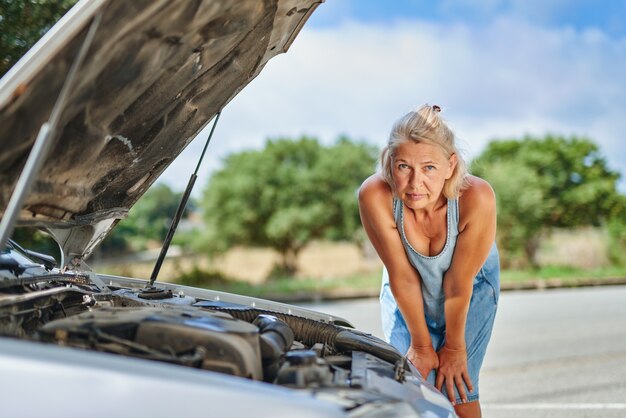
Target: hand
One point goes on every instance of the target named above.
(453, 371)
(424, 358)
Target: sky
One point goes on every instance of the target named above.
(498, 69)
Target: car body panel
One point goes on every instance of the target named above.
(106, 385)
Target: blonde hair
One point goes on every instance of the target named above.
(425, 125)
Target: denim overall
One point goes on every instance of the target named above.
(482, 308)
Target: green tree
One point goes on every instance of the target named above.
(22, 23)
(284, 196)
(542, 183)
(616, 227)
(148, 220)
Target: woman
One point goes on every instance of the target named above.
(434, 225)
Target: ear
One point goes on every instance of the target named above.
(452, 161)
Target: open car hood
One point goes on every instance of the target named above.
(155, 74)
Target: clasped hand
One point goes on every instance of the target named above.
(451, 367)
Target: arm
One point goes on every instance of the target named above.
(375, 206)
(477, 230)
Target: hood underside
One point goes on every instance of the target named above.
(155, 74)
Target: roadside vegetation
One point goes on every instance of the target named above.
(363, 281)
(262, 215)
(290, 289)
(283, 222)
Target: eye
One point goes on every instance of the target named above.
(430, 168)
(403, 166)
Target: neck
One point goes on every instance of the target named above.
(432, 209)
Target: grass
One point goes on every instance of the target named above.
(290, 288)
(287, 287)
(563, 273)
(331, 268)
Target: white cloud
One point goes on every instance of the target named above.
(506, 79)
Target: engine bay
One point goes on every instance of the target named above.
(218, 336)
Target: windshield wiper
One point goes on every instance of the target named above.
(46, 260)
(75, 279)
(10, 263)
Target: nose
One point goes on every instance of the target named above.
(417, 179)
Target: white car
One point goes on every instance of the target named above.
(141, 79)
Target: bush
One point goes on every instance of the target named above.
(203, 278)
(617, 241)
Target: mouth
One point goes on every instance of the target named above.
(415, 196)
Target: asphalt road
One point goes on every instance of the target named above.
(553, 353)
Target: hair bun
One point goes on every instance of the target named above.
(436, 108)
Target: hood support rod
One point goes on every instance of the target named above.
(181, 209)
(42, 143)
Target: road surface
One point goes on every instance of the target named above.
(553, 353)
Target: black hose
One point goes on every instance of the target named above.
(276, 339)
(310, 332)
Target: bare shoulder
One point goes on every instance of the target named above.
(478, 190)
(373, 189)
(478, 199)
(376, 202)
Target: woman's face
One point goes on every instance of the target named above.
(419, 173)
